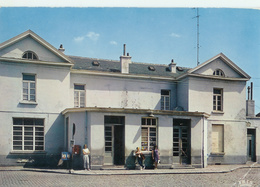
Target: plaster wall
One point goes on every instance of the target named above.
(235, 133)
(52, 85)
(234, 93)
(53, 130)
(28, 44)
(122, 92)
(217, 64)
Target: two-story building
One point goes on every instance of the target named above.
(51, 102)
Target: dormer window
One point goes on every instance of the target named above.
(219, 72)
(30, 55)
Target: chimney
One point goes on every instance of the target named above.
(172, 67)
(250, 103)
(61, 48)
(125, 60)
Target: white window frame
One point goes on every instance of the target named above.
(29, 88)
(24, 134)
(217, 139)
(33, 55)
(79, 96)
(219, 72)
(165, 105)
(218, 100)
(148, 128)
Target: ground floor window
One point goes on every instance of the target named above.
(149, 134)
(217, 139)
(28, 134)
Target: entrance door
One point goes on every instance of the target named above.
(251, 155)
(181, 141)
(114, 142)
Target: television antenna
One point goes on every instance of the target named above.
(198, 36)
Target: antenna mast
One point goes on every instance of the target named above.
(198, 34)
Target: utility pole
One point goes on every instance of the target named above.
(198, 35)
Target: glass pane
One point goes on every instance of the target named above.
(39, 133)
(39, 122)
(28, 121)
(28, 147)
(28, 143)
(39, 138)
(18, 121)
(28, 138)
(32, 85)
(17, 138)
(28, 133)
(17, 128)
(17, 147)
(38, 148)
(28, 128)
(79, 87)
(108, 144)
(29, 77)
(17, 133)
(17, 143)
(108, 149)
(39, 129)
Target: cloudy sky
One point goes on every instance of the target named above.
(151, 35)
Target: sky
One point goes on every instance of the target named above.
(151, 35)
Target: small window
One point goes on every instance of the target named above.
(218, 99)
(151, 68)
(149, 134)
(219, 72)
(30, 55)
(217, 138)
(29, 87)
(79, 95)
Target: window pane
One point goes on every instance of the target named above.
(79, 87)
(39, 122)
(28, 121)
(28, 147)
(18, 121)
(28, 77)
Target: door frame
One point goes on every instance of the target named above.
(112, 121)
(180, 154)
(251, 145)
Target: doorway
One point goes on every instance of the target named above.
(251, 154)
(181, 141)
(114, 140)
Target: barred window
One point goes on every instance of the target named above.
(28, 134)
(149, 134)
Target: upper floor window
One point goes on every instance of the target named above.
(28, 134)
(30, 55)
(165, 99)
(218, 99)
(149, 134)
(79, 95)
(29, 88)
(219, 72)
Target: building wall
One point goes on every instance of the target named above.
(111, 92)
(235, 143)
(52, 85)
(234, 94)
(94, 128)
(28, 44)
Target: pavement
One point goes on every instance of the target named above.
(122, 171)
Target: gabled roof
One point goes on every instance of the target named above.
(227, 61)
(113, 66)
(36, 38)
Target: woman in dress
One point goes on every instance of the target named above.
(156, 156)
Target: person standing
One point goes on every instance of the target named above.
(139, 156)
(156, 156)
(86, 153)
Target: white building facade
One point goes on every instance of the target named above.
(52, 102)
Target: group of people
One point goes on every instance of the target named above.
(155, 156)
(139, 155)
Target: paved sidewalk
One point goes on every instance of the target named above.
(209, 169)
